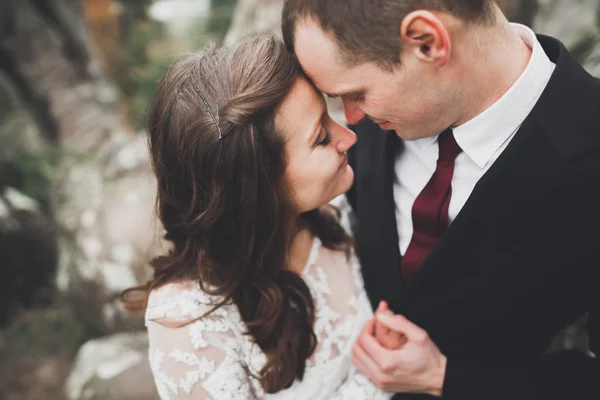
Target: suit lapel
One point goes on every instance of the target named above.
(377, 232)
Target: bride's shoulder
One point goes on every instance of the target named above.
(181, 301)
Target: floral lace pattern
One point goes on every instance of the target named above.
(211, 358)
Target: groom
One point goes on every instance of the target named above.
(477, 192)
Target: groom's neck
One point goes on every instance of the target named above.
(500, 58)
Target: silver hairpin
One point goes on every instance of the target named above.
(215, 120)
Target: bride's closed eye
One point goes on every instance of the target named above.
(324, 138)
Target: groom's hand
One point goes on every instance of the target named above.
(416, 367)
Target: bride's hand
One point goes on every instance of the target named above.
(388, 338)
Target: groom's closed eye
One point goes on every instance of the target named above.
(354, 95)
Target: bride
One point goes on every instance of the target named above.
(261, 295)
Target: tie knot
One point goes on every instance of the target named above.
(448, 148)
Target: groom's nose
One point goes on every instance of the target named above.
(352, 112)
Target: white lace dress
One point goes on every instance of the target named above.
(209, 358)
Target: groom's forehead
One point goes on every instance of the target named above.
(323, 65)
(317, 52)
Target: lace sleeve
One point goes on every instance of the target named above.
(358, 387)
(198, 360)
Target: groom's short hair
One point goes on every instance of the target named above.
(369, 30)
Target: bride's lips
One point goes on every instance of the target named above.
(383, 124)
(344, 161)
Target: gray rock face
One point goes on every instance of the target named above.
(575, 22)
(19, 133)
(27, 253)
(105, 208)
(254, 16)
(570, 20)
(114, 367)
(53, 65)
(591, 61)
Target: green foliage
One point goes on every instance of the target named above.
(139, 71)
(147, 77)
(135, 10)
(148, 50)
(135, 55)
(33, 174)
(222, 15)
(43, 331)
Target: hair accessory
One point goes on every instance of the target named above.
(212, 116)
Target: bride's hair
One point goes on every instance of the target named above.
(223, 202)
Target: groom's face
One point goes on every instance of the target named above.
(405, 99)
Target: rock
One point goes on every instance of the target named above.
(28, 253)
(34, 376)
(521, 11)
(568, 20)
(591, 60)
(51, 62)
(19, 134)
(254, 16)
(105, 208)
(114, 367)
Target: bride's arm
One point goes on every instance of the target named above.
(197, 361)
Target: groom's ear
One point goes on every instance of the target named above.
(425, 36)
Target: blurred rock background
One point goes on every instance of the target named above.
(76, 191)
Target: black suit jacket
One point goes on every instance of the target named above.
(519, 262)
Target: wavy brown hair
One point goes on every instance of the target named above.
(224, 203)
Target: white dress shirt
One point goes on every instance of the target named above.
(482, 140)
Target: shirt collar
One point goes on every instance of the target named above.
(483, 135)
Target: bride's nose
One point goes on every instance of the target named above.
(344, 138)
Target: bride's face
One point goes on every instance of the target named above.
(317, 165)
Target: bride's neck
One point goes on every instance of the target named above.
(299, 247)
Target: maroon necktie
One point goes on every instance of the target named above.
(430, 210)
